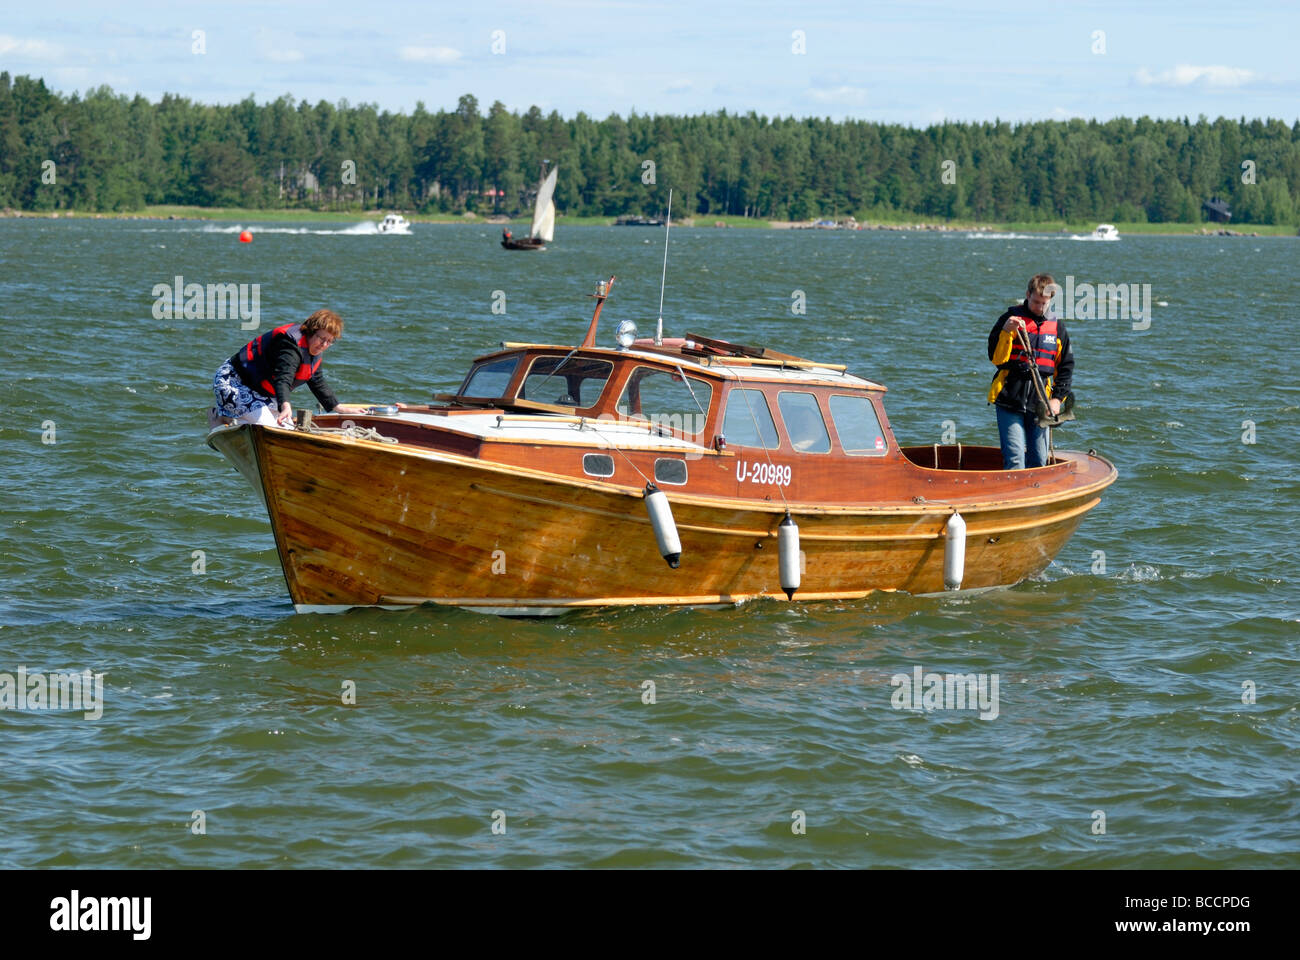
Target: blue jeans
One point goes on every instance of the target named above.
(1018, 431)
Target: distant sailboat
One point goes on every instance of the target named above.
(543, 228)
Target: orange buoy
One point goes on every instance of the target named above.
(246, 236)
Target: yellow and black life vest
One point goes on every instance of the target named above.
(1044, 352)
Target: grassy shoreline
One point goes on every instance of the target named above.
(246, 215)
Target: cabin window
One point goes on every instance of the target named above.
(490, 379)
(858, 426)
(670, 470)
(803, 422)
(598, 465)
(663, 397)
(748, 422)
(568, 381)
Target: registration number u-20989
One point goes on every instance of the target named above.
(776, 473)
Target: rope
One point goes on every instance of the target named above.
(351, 431)
(681, 373)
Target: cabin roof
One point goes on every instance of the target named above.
(632, 434)
(780, 368)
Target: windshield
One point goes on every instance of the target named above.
(568, 381)
(490, 379)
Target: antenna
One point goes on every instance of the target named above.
(659, 330)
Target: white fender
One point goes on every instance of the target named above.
(954, 552)
(661, 519)
(787, 544)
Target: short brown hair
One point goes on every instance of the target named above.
(1041, 283)
(326, 320)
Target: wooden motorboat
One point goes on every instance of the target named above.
(557, 477)
(542, 230)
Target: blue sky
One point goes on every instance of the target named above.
(915, 63)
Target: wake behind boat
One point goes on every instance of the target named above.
(560, 477)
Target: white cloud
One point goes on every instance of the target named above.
(1184, 75)
(278, 49)
(841, 94)
(429, 54)
(21, 49)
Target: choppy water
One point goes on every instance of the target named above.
(1121, 686)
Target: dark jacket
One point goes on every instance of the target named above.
(1013, 385)
(280, 360)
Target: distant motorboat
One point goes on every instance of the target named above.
(1104, 231)
(394, 223)
(542, 231)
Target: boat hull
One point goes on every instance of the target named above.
(361, 523)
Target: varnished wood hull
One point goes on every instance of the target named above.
(366, 523)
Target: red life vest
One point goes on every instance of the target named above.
(1043, 343)
(254, 359)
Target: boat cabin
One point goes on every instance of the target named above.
(710, 417)
(716, 397)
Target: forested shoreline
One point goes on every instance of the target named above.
(111, 152)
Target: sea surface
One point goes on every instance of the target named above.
(1148, 680)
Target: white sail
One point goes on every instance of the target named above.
(544, 210)
(547, 230)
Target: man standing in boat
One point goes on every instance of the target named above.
(253, 386)
(1013, 391)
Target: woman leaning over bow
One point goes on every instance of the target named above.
(253, 386)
